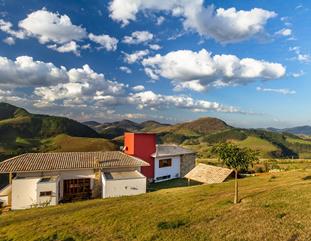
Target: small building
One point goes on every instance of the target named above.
(166, 161)
(42, 179)
(209, 174)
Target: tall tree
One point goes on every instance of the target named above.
(235, 158)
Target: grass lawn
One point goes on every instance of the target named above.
(273, 207)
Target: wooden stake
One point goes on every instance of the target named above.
(10, 178)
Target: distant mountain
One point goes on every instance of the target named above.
(298, 130)
(116, 129)
(91, 123)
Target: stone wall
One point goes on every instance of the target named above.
(187, 163)
(97, 187)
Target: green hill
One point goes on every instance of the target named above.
(273, 207)
(200, 135)
(22, 132)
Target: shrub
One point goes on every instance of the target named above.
(259, 170)
(280, 215)
(172, 225)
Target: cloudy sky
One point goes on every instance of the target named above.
(246, 62)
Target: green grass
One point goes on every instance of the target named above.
(273, 207)
(179, 182)
(298, 140)
(65, 143)
(258, 144)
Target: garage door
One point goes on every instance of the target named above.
(77, 189)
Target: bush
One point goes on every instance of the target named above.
(275, 166)
(259, 170)
(172, 225)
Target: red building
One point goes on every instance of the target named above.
(141, 145)
(166, 161)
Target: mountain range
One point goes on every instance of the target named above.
(298, 130)
(22, 131)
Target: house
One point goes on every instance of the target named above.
(166, 161)
(41, 179)
(50, 178)
(209, 174)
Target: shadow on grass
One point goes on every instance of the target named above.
(172, 225)
(178, 182)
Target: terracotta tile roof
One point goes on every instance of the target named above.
(31, 162)
(209, 174)
(170, 150)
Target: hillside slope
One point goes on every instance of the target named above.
(22, 131)
(202, 134)
(273, 207)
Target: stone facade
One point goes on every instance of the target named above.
(97, 187)
(187, 163)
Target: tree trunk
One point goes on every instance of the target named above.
(236, 194)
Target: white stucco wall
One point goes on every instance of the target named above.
(4, 200)
(173, 171)
(123, 187)
(24, 192)
(4, 195)
(46, 187)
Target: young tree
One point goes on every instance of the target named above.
(235, 158)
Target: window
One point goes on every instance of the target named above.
(165, 163)
(163, 177)
(45, 194)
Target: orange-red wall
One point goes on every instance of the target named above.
(141, 145)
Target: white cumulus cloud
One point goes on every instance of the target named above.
(136, 56)
(24, 71)
(6, 27)
(301, 57)
(71, 46)
(223, 25)
(284, 32)
(149, 99)
(138, 37)
(138, 88)
(199, 70)
(83, 85)
(9, 41)
(154, 46)
(105, 41)
(126, 69)
(51, 27)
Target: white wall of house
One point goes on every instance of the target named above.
(4, 200)
(123, 187)
(5, 194)
(47, 187)
(172, 171)
(24, 192)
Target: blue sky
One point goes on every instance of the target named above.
(246, 62)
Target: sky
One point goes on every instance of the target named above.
(245, 62)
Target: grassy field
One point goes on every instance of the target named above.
(65, 143)
(261, 145)
(273, 207)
